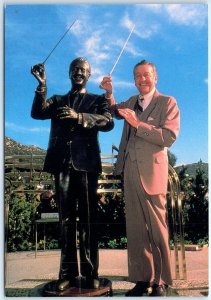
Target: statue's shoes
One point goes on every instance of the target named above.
(92, 283)
(63, 284)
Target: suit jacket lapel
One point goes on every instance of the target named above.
(145, 114)
(128, 128)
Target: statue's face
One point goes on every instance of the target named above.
(79, 74)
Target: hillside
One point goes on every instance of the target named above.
(191, 168)
(14, 148)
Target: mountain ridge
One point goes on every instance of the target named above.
(13, 147)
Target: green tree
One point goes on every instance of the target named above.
(172, 158)
(195, 204)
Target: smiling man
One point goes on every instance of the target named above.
(152, 122)
(73, 156)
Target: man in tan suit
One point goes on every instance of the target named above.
(152, 122)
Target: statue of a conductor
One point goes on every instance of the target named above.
(73, 156)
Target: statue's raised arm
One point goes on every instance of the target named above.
(38, 71)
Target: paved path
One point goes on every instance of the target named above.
(24, 272)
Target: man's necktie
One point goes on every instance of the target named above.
(140, 102)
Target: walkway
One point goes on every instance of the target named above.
(25, 272)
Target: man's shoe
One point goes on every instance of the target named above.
(159, 290)
(92, 283)
(140, 289)
(63, 284)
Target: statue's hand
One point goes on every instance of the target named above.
(38, 71)
(66, 112)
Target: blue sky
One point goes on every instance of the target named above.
(173, 36)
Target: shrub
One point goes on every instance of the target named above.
(25, 208)
(20, 230)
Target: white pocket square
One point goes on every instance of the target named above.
(150, 119)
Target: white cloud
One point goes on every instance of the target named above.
(152, 7)
(127, 22)
(134, 51)
(95, 47)
(123, 83)
(22, 129)
(146, 33)
(77, 28)
(187, 14)
(130, 48)
(181, 14)
(116, 82)
(140, 18)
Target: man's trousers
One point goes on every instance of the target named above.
(147, 231)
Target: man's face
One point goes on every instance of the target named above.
(79, 74)
(145, 79)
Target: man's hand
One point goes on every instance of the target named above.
(129, 116)
(38, 71)
(106, 84)
(66, 112)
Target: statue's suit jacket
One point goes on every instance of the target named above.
(67, 136)
(159, 127)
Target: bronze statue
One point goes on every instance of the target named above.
(73, 156)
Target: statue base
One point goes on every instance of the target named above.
(104, 290)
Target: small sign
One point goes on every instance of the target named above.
(49, 215)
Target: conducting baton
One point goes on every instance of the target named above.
(59, 41)
(118, 58)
